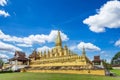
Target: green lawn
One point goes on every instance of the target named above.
(52, 76)
(116, 71)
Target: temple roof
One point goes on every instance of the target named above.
(20, 56)
(97, 59)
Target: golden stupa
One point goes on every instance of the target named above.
(62, 60)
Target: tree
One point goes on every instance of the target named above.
(117, 55)
(108, 66)
(1, 63)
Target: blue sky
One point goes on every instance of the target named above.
(32, 24)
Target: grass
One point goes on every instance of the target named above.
(116, 71)
(52, 76)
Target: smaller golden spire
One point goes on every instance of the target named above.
(83, 51)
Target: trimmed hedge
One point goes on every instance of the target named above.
(6, 71)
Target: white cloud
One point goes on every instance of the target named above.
(73, 47)
(88, 46)
(117, 43)
(43, 48)
(32, 39)
(3, 56)
(104, 53)
(8, 47)
(3, 2)
(3, 13)
(51, 37)
(6, 52)
(24, 45)
(108, 16)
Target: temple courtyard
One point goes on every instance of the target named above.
(52, 76)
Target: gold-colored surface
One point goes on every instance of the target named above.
(92, 72)
(62, 56)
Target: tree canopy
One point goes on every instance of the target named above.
(1, 63)
(117, 55)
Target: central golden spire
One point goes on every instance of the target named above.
(58, 40)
